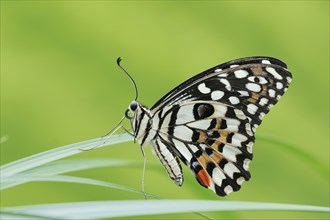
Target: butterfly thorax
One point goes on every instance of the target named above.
(141, 122)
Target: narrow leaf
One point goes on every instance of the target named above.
(73, 179)
(59, 153)
(107, 209)
(57, 167)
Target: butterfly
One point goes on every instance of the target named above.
(209, 121)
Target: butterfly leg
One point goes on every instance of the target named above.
(143, 172)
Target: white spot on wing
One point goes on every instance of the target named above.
(230, 152)
(224, 75)
(243, 93)
(239, 114)
(228, 189)
(232, 122)
(252, 78)
(220, 110)
(248, 129)
(263, 101)
(249, 147)
(253, 87)
(182, 149)
(265, 62)
(246, 164)
(271, 93)
(252, 108)
(262, 115)
(231, 128)
(272, 71)
(279, 85)
(193, 147)
(241, 74)
(240, 180)
(230, 169)
(203, 89)
(226, 83)
(212, 186)
(217, 70)
(218, 176)
(203, 146)
(216, 95)
(233, 100)
(237, 139)
(262, 80)
(288, 79)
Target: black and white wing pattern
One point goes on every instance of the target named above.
(209, 121)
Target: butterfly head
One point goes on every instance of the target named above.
(137, 114)
(132, 112)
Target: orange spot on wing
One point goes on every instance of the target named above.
(203, 159)
(216, 144)
(217, 157)
(257, 70)
(223, 136)
(202, 136)
(203, 178)
(254, 97)
(264, 90)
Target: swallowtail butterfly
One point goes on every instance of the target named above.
(209, 121)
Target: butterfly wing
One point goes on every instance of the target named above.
(209, 121)
(216, 146)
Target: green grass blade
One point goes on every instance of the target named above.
(73, 179)
(107, 209)
(59, 153)
(57, 167)
(65, 166)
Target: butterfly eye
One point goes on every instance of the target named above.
(133, 106)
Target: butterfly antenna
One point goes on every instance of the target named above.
(129, 76)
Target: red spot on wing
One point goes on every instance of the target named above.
(203, 178)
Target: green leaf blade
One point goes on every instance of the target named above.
(108, 209)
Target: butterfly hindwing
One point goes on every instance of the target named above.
(216, 146)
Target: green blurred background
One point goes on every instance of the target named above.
(60, 85)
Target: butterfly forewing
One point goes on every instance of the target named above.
(209, 121)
